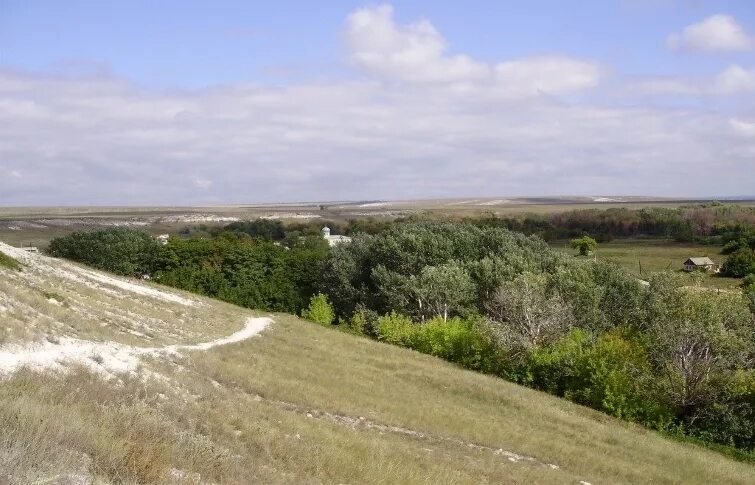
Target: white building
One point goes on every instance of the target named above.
(333, 240)
(704, 264)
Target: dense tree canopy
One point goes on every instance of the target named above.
(119, 250)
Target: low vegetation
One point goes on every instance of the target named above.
(671, 355)
(299, 403)
(8, 262)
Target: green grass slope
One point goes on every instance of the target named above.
(298, 403)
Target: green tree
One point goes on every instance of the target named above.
(443, 290)
(695, 338)
(319, 310)
(748, 287)
(118, 250)
(740, 263)
(523, 314)
(585, 245)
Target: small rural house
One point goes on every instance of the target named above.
(162, 238)
(704, 263)
(333, 240)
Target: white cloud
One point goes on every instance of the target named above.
(735, 79)
(717, 33)
(746, 128)
(445, 125)
(414, 53)
(417, 53)
(551, 75)
(659, 86)
(202, 183)
(346, 140)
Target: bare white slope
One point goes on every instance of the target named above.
(105, 357)
(116, 307)
(92, 279)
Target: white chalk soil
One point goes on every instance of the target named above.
(60, 315)
(106, 358)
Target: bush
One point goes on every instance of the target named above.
(396, 329)
(730, 419)
(611, 373)
(585, 245)
(748, 287)
(364, 321)
(319, 310)
(119, 250)
(462, 341)
(740, 263)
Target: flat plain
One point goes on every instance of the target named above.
(36, 226)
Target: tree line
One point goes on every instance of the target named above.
(711, 223)
(670, 355)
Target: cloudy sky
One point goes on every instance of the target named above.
(147, 102)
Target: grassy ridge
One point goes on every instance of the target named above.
(304, 403)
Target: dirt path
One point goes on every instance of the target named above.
(106, 358)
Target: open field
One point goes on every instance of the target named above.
(298, 403)
(36, 226)
(645, 256)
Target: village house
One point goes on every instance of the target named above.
(703, 263)
(335, 239)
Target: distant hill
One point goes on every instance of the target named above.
(108, 379)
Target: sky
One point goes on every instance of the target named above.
(225, 102)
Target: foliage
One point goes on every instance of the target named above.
(249, 272)
(739, 263)
(463, 341)
(270, 230)
(585, 245)
(748, 287)
(319, 310)
(119, 250)
(694, 339)
(716, 223)
(670, 355)
(611, 373)
(730, 418)
(524, 315)
(429, 268)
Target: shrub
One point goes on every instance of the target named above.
(462, 341)
(730, 419)
(364, 321)
(119, 250)
(740, 263)
(319, 310)
(396, 329)
(611, 373)
(584, 244)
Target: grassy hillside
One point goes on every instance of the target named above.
(298, 403)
